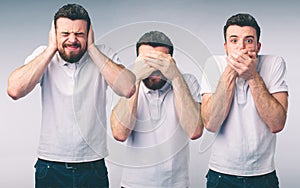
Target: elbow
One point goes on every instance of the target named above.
(130, 92)
(198, 132)
(13, 93)
(119, 138)
(124, 89)
(126, 84)
(15, 90)
(277, 129)
(278, 125)
(196, 135)
(118, 131)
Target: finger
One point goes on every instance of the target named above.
(157, 55)
(233, 63)
(52, 25)
(139, 59)
(252, 55)
(154, 62)
(238, 56)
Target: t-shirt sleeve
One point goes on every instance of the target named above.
(35, 53)
(109, 53)
(278, 75)
(213, 69)
(193, 86)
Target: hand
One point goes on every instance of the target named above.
(244, 63)
(164, 63)
(91, 39)
(141, 69)
(52, 38)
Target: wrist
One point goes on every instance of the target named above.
(253, 78)
(91, 47)
(97, 56)
(177, 79)
(230, 71)
(51, 50)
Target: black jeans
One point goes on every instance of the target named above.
(219, 180)
(49, 174)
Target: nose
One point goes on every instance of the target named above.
(241, 45)
(72, 37)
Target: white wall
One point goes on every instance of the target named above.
(25, 25)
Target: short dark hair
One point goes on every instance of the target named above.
(73, 12)
(242, 19)
(154, 39)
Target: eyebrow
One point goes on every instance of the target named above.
(233, 36)
(249, 36)
(76, 33)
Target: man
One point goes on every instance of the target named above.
(247, 107)
(158, 118)
(74, 74)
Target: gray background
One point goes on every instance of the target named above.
(25, 25)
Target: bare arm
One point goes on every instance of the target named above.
(272, 108)
(216, 106)
(120, 79)
(23, 80)
(188, 110)
(123, 116)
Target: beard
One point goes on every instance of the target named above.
(155, 81)
(71, 56)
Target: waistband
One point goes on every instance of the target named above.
(273, 173)
(80, 165)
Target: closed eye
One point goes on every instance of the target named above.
(64, 34)
(79, 34)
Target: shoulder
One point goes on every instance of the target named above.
(271, 61)
(37, 51)
(191, 81)
(105, 49)
(270, 58)
(109, 52)
(189, 77)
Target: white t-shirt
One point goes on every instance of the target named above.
(73, 109)
(244, 146)
(158, 147)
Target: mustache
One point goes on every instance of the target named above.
(155, 73)
(75, 44)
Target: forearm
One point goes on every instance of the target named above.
(24, 79)
(188, 110)
(123, 117)
(272, 111)
(120, 79)
(215, 107)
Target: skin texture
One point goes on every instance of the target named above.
(242, 47)
(71, 39)
(157, 60)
